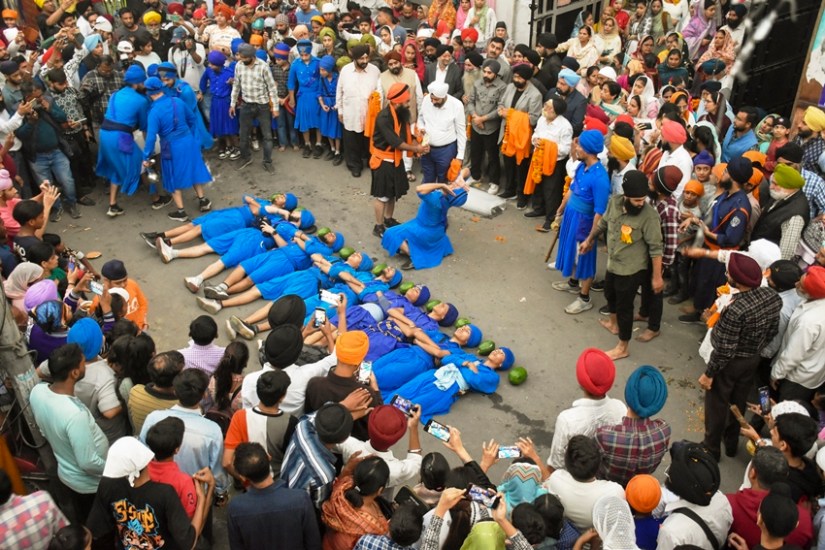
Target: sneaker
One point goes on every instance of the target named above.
(534, 214)
(507, 195)
(244, 163)
(597, 286)
(690, 319)
(166, 252)
(493, 189)
(150, 238)
(224, 153)
(212, 306)
(235, 154)
(604, 310)
(307, 151)
(193, 284)
(407, 265)
(378, 230)
(56, 214)
(521, 205)
(256, 146)
(330, 155)
(114, 211)
(339, 158)
(178, 216)
(244, 330)
(216, 293)
(391, 222)
(469, 180)
(544, 228)
(73, 211)
(565, 286)
(162, 201)
(578, 306)
(269, 168)
(86, 200)
(204, 204)
(319, 151)
(230, 331)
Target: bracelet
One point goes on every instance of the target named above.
(417, 451)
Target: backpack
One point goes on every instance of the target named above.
(222, 417)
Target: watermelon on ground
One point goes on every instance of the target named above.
(431, 305)
(517, 375)
(486, 347)
(346, 252)
(405, 286)
(376, 271)
(462, 321)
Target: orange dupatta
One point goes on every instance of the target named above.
(543, 163)
(517, 135)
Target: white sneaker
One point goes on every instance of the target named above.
(193, 283)
(166, 252)
(564, 286)
(230, 331)
(493, 189)
(578, 306)
(551, 265)
(212, 306)
(469, 180)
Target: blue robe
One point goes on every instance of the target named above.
(402, 365)
(119, 160)
(217, 83)
(304, 284)
(330, 126)
(239, 245)
(426, 234)
(183, 91)
(225, 220)
(305, 80)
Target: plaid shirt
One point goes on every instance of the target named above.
(95, 91)
(669, 214)
(254, 84)
(636, 446)
(750, 321)
(814, 189)
(281, 77)
(812, 150)
(378, 542)
(30, 521)
(205, 358)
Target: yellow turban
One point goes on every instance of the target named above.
(787, 177)
(151, 17)
(352, 346)
(326, 31)
(814, 118)
(621, 148)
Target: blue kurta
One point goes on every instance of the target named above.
(223, 221)
(330, 125)
(304, 284)
(426, 234)
(220, 123)
(181, 162)
(183, 91)
(119, 160)
(304, 80)
(402, 365)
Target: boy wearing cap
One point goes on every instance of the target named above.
(115, 276)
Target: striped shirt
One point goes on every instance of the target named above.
(145, 399)
(308, 464)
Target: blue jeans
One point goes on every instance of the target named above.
(434, 165)
(261, 113)
(54, 166)
(286, 121)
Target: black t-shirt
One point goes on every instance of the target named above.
(22, 244)
(147, 517)
(805, 482)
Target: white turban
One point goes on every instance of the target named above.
(425, 33)
(438, 89)
(127, 457)
(608, 72)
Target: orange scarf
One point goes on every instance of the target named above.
(345, 523)
(373, 108)
(543, 163)
(517, 135)
(377, 156)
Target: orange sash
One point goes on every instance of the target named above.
(517, 135)
(373, 108)
(377, 156)
(543, 163)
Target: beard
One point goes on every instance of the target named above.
(612, 165)
(519, 86)
(652, 195)
(488, 80)
(778, 195)
(631, 209)
(806, 133)
(726, 184)
(733, 23)
(361, 64)
(395, 70)
(664, 146)
(403, 114)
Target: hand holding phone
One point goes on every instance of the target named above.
(510, 451)
(320, 317)
(487, 497)
(364, 372)
(403, 405)
(96, 287)
(438, 430)
(764, 400)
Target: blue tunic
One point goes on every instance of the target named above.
(304, 284)
(181, 162)
(330, 125)
(223, 221)
(119, 160)
(183, 91)
(220, 123)
(402, 365)
(305, 80)
(426, 234)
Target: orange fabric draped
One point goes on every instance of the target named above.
(517, 135)
(373, 108)
(543, 163)
(377, 156)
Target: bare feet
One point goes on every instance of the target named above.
(609, 325)
(638, 318)
(619, 352)
(687, 309)
(647, 335)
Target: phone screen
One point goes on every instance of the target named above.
(487, 497)
(404, 405)
(96, 287)
(438, 430)
(320, 317)
(764, 400)
(509, 452)
(364, 372)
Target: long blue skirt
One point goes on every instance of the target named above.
(185, 168)
(422, 390)
(121, 169)
(248, 243)
(569, 239)
(428, 244)
(221, 222)
(220, 123)
(330, 125)
(399, 367)
(307, 112)
(267, 266)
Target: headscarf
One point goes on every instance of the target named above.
(697, 29)
(87, 334)
(762, 136)
(726, 54)
(419, 59)
(21, 278)
(521, 483)
(485, 535)
(638, 53)
(127, 458)
(614, 523)
(49, 316)
(39, 292)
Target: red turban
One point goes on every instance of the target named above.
(744, 270)
(392, 54)
(386, 426)
(673, 132)
(592, 123)
(814, 282)
(595, 372)
(224, 10)
(469, 34)
(625, 118)
(597, 113)
(176, 9)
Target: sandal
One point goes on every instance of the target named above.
(410, 177)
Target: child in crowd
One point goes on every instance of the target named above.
(217, 79)
(689, 207)
(781, 132)
(702, 165)
(643, 494)
(331, 127)
(287, 134)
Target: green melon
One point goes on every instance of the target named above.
(323, 231)
(376, 271)
(431, 305)
(274, 197)
(486, 347)
(517, 376)
(405, 287)
(461, 322)
(346, 252)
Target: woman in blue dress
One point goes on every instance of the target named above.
(330, 128)
(181, 161)
(436, 390)
(424, 239)
(304, 83)
(216, 80)
(168, 74)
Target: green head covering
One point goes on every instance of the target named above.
(368, 39)
(486, 535)
(343, 60)
(352, 42)
(326, 31)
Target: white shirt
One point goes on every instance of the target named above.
(402, 471)
(444, 124)
(578, 497)
(617, 178)
(8, 124)
(189, 71)
(559, 131)
(353, 91)
(678, 529)
(299, 377)
(790, 299)
(440, 74)
(489, 30)
(682, 160)
(802, 352)
(219, 38)
(583, 418)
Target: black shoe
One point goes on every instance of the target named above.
(268, 168)
(507, 195)
(178, 216)
(330, 155)
(114, 211)
(521, 205)
(244, 163)
(731, 448)
(204, 204)
(307, 151)
(56, 214)
(534, 214)
(677, 299)
(162, 201)
(670, 290)
(407, 265)
(604, 310)
(338, 159)
(150, 238)
(356, 173)
(690, 319)
(597, 286)
(319, 151)
(86, 200)
(390, 222)
(73, 211)
(544, 228)
(378, 230)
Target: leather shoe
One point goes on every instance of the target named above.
(731, 447)
(356, 173)
(534, 214)
(338, 159)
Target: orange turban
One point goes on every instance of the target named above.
(256, 40)
(643, 493)
(719, 170)
(756, 157)
(224, 10)
(398, 93)
(695, 187)
(756, 177)
(352, 346)
(621, 148)
(10, 14)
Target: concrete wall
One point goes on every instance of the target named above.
(516, 13)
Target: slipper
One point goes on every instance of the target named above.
(410, 176)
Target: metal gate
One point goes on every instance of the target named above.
(558, 16)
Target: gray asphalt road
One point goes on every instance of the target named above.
(496, 277)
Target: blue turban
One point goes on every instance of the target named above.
(423, 296)
(261, 54)
(449, 319)
(216, 58)
(339, 242)
(86, 333)
(152, 70)
(592, 141)
(92, 41)
(153, 84)
(396, 279)
(290, 202)
(235, 44)
(646, 391)
(570, 77)
(304, 46)
(134, 75)
(713, 66)
(366, 262)
(509, 358)
(475, 336)
(167, 66)
(327, 63)
(740, 169)
(49, 316)
(459, 199)
(307, 219)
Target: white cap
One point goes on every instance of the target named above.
(438, 89)
(124, 46)
(425, 33)
(328, 8)
(608, 72)
(102, 24)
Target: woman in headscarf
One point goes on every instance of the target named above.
(385, 42)
(49, 330)
(722, 47)
(328, 41)
(412, 59)
(442, 11)
(613, 524)
(673, 40)
(304, 88)
(330, 127)
(716, 107)
(23, 276)
(644, 47)
(583, 19)
(608, 42)
(677, 12)
(672, 68)
(582, 48)
(700, 29)
(643, 87)
(521, 483)
(461, 13)
(681, 99)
